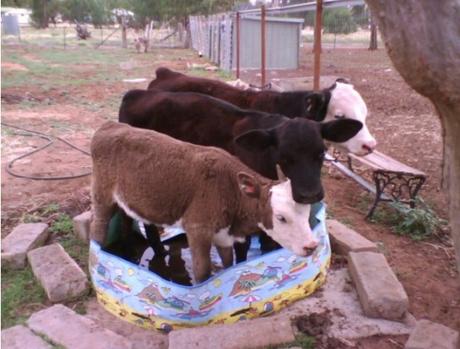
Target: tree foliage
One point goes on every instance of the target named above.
(339, 21)
(98, 12)
(17, 3)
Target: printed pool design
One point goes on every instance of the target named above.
(258, 287)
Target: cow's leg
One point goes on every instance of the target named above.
(101, 217)
(267, 244)
(226, 255)
(200, 247)
(153, 237)
(241, 249)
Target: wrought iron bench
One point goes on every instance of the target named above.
(393, 180)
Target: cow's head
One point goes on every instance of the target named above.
(342, 101)
(347, 103)
(284, 220)
(297, 145)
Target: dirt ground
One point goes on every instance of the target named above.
(404, 123)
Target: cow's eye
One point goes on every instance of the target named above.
(340, 116)
(281, 218)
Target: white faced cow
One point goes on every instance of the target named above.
(162, 181)
(346, 103)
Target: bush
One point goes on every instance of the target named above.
(339, 21)
(419, 222)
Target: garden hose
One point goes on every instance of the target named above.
(50, 139)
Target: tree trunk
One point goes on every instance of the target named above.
(188, 34)
(373, 40)
(124, 40)
(421, 37)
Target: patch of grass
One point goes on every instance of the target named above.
(224, 75)
(302, 340)
(50, 209)
(19, 291)
(62, 227)
(34, 217)
(419, 222)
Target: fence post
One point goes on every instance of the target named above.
(238, 45)
(64, 38)
(262, 39)
(317, 47)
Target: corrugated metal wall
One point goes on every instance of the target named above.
(214, 36)
(282, 43)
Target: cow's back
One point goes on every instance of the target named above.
(291, 104)
(168, 80)
(188, 116)
(153, 172)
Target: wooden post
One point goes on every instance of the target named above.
(317, 47)
(237, 45)
(262, 48)
(64, 38)
(124, 39)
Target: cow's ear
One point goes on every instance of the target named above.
(256, 140)
(340, 130)
(343, 81)
(315, 104)
(248, 185)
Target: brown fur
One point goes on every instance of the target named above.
(163, 180)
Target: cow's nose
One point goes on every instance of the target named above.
(310, 248)
(304, 198)
(369, 146)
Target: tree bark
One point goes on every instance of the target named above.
(124, 39)
(422, 40)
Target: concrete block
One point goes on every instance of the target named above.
(263, 332)
(430, 335)
(20, 337)
(65, 327)
(22, 239)
(344, 239)
(60, 276)
(380, 293)
(81, 225)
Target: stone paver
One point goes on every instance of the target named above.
(344, 239)
(81, 224)
(380, 293)
(430, 335)
(65, 327)
(60, 276)
(341, 303)
(140, 338)
(20, 337)
(22, 239)
(255, 333)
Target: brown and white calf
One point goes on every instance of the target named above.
(217, 200)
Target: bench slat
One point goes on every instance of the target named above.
(380, 161)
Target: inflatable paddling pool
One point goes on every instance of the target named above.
(260, 286)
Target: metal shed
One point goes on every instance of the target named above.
(282, 43)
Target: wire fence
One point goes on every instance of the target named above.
(346, 24)
(64, 35)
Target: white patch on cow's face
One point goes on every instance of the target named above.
(347, 102)
(291, 228)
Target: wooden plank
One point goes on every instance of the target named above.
(357, 178)
(379, 161)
